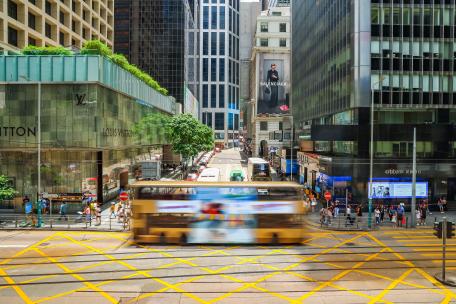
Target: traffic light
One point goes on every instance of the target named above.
(450, 229)
(438, 229)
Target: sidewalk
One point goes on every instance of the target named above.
(340, 222)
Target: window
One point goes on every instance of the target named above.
(283, 42)
(222, 44)
(12, 36)
(214, 43)
(221, 96)
(283, 27)
(222, 18)
(62, 38)
(263, 42)
(375, 16)
(222, 69)
(31, 41)
(62, 17)
(31, 21)
(12, 9)
(213, 69)
(219, 121)
(48, 8)
(48, 30)
(214, 17)
(205, 96)
(264, 27)
(263, 125)
(276, 13)
(206, 17)
(205, 43)
(213, 96)
(280, 126)
(205, 69)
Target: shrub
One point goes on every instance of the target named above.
(47, 50)
(119, 59)
(96, 47)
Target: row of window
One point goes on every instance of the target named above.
(13, 37)
(423, 16)
(265, 42)
(211, 92)
(218, 74)
(409, 49)
(219, 121)
(264, 27)
(423, 83)
(214, 17)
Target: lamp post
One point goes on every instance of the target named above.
(371, 163)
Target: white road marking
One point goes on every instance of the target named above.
(14, 246)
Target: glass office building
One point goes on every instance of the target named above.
(161, 38)
(88, 115)
(219, 69)
(405, 51)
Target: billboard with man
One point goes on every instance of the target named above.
(274, 86)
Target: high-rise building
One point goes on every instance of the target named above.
(219, 50)
(266, 4)
(160, 37)
(399, 53)
(52, 23)
(269, 122)
(249, 11)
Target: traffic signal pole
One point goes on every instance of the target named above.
(444, 237)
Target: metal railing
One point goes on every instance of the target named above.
(60, 222)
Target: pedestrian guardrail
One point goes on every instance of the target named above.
(61, 222)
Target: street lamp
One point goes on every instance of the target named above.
(371, 165)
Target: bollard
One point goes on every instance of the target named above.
(406, 222)
(50, 222)
(15, 221)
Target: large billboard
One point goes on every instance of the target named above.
(273, 97)
(383, 190)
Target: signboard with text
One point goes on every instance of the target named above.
(383, 190)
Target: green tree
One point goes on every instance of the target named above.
(153, 128)
(6, 191)
(188, 136)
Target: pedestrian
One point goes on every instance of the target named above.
(120, 214)
(63, 211)
(400, 214)
(348, 220)
(377, 215)
(98, 214)
(359, 213)
(329, 216)
(423, 210)
(418, 215)
(112, 210)
(322, 215)
(88, 215)
(382, 213)
(444, 203)
(336, 209)
(391, 212)
(439, 203)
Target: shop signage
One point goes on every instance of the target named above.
(114, 132)
(17, 131)
(81, 100)
(400, 171)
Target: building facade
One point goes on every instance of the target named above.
(52, 23)
(219, 69)
(88, 108)
(269, 122)
(249, 12)
(399, 53)
(161, 38)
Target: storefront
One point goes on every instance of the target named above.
(89, 108)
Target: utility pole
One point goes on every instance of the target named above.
(413, 211)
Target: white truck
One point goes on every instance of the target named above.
(150, 169)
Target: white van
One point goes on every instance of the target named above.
(209, 175)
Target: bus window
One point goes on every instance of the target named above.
(261, 170)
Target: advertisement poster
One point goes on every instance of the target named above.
(223, 222)
(274, 87)
(397, 190)
(178, 206)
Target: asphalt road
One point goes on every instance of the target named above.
(343, 267)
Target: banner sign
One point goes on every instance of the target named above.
(397, 190)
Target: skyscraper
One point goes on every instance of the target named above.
(53, 23)
(160, 37)
(219, 50)
(400, 53)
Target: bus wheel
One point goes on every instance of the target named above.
(162, 239)
(275, 239)
(183, 239)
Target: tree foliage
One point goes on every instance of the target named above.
(48, 50)
(188, 136)
(185, 133)
(6, 191)
(96, 47)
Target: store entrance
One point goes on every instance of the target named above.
(451, 195)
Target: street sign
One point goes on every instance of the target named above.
(123, 196)
(327, 196)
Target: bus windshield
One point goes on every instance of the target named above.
(261, 170)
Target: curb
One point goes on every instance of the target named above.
(56, 230)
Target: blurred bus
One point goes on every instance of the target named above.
(258, 170)
(218, 212)
(209, 175)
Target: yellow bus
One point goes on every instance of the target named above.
(218, 212)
